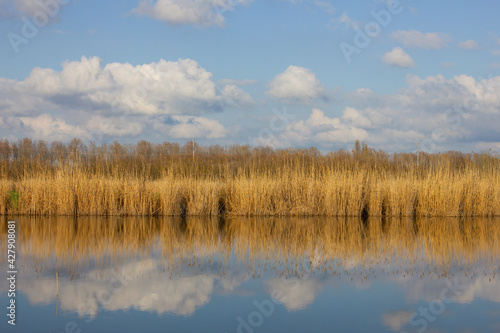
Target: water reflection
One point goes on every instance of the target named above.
(183, 267)
(138, 285)
(287, 246)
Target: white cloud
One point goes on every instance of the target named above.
(48, 127)
(495, 52)
(14, 102)
(362, 95)
(246, 82)
(39, 11)
(414, 38)
(197, 12)
(115, 126)
(327, 7)
(344, 20)
(118, 100)
(398, 57)
(51, 128)
(356, 118)
(165, 87)
(185, 127)
(297, 84)
(235, 97)
(318, 129)
(457, 113)
(498, 41)
(468, 44)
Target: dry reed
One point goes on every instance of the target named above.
(161, 180)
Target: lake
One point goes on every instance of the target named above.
(253, 275)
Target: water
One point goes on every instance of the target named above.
(254, 275)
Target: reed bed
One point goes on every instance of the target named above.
(287, 247)
(41, 179)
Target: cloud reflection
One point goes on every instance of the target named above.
(138, 286)
(294, 294)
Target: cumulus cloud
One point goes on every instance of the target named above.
(119, 100)
(356, 118)
(468, 44)
(462, 112)
(414, 38)
(235, 97)
(14, 102)
(297, 84)
(318, 128)
(197, 12)
(398, 57)
(165, 87)
(50, 128)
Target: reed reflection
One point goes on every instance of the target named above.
(175, 266)
(288, 247)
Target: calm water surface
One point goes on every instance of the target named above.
(254, 275)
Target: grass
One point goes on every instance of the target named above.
(14, 199)
(42, 179)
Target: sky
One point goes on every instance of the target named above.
(280, 73)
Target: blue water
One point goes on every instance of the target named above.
(147, 293)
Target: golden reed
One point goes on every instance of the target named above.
(41, 179)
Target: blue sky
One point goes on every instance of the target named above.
(259, 72)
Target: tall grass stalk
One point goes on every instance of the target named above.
(164, 180)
